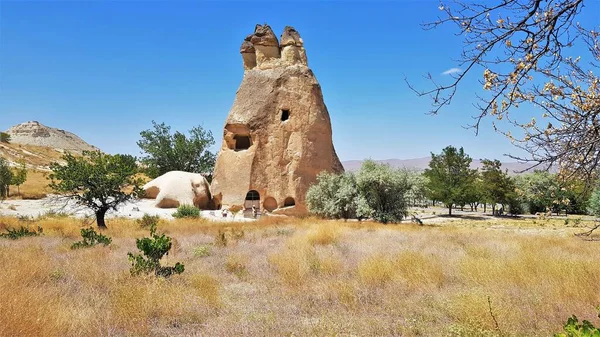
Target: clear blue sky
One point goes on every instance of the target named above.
(105, 70)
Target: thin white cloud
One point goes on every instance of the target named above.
(452, 71)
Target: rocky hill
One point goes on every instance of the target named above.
(38, 145)
(35, 133)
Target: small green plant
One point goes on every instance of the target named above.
(575, 329)
(202, 251)
(153, 249)
(187, 211)
(90, 239)
(14, 234)
(148, 220)
(577, 222)
(566, 221)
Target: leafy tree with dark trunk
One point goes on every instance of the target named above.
(175, 152)
(497, 185)
(450, 177)
(6, 176)
(19, 176)
(384, 190)
(97, 181)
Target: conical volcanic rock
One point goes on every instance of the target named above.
(277, 136)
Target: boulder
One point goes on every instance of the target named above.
(176, 188)
(277, 136)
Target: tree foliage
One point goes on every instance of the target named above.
(594, 203)
(336, 196)
(153, 249)
(96, 181)
(450, 177)
(19, 176)
(4, 137)
(376, 191)
(523, 49)
(166, 152)
(497, 186)
(384, 190)
(6, 177)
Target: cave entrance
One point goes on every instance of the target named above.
(252, 199)
(289, 201)
(242, 142)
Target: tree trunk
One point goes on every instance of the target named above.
(450, 209)
(484, 207)
(493, 209)
(100, 218)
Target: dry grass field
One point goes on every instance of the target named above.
(302, 277)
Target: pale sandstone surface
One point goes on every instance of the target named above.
(35, 133)
(277, 136)
(177, 188)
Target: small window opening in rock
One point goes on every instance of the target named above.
(289, 201)
(285, 115)
(242, 142)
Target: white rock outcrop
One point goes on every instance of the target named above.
(36, 133)
(177, 188)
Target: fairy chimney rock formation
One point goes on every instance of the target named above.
(277, 136)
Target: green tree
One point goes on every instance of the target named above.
(384, 190)
(96, 181)
(417, 195)
(498, 187)
(166, 152)
(336, 196)
(19, 176)
(594, 203)
(6, 177)
(4, 137)
(542, 192)
(450, 177)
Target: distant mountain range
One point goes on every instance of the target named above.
(421, 164)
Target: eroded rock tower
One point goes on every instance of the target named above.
(277, 136)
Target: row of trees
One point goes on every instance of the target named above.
(384, 193)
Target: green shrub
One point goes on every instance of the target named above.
(90, 239)
(202, 251)
(148, 220)
(575, 329)
(153, 249)
(187, 211)
(20, 232)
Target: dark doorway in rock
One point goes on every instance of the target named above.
(242, 142)
(285, 115)
(289, 201)
(252, 199)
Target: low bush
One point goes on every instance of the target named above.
(575, 329)
(14, 234)
(202, 251)
(187, 211)
(148, 220)
(90, 239)
(153, 249)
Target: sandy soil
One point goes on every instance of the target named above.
(134, 210)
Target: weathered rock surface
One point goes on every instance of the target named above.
(35, 133)
(277, 136)
(177, 188)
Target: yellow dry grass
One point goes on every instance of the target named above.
(302, 277)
